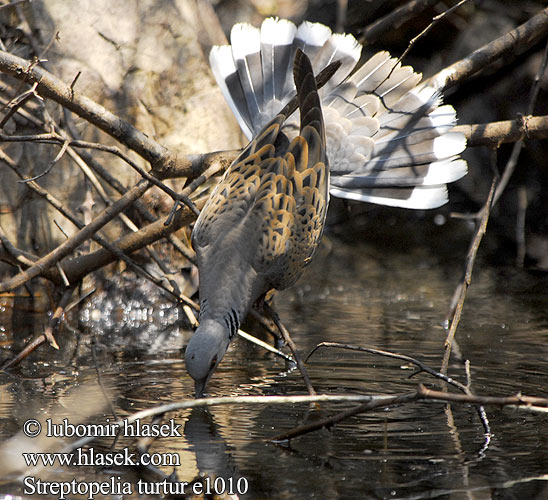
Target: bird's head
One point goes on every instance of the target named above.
(204, 352)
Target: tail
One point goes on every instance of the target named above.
(388, 139)
(255, 72)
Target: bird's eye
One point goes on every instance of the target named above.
(213, 363)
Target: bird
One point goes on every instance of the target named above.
(261, 225)
(387, 136)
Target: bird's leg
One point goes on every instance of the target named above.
(289, 341)
(259, 314)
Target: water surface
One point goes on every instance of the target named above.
(388, 291)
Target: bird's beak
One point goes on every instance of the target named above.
(199, 388)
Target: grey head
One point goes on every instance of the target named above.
(205, 351)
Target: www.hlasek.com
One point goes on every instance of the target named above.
(95, 458)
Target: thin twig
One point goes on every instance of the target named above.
(520, 226)
(435, 20)
(462, 288)
(422, 367)
(516, 149)
(339, 417)
(100, 380)
(48, 335)
(264, 345)
(33, 345)
(287, 338)
(18, 257)
(58, 156)
(19, 102)
(69, 245)
(394, 20)
(342, 7)
(511, 44)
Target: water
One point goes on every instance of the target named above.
(386, 291)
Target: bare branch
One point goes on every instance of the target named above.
(51, 87)
(435, 21)
(496, 133)
(517, 400)
(69, 245)
(77, 267)
(245, 400)
(339, 417)
(512, 43)
(421, 366)
(460, 293)
(53, 326)
(394, 20)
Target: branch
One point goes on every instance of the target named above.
(339, 417)
(53, 326)
(496, 133)
(394, 20)
(419, 364)
(512, 43)
(238, 401)
(69, 245)
(517, 400)
(435, 20)
(49, 86)
(76, 268)
(457, 303)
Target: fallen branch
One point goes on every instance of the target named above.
(459, 296)
(53, 326)
(449, 397)
(73, 242)
(368, 401)
(339, 417)
(421, 366)
(237, 400)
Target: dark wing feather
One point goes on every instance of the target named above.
(272, 205)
